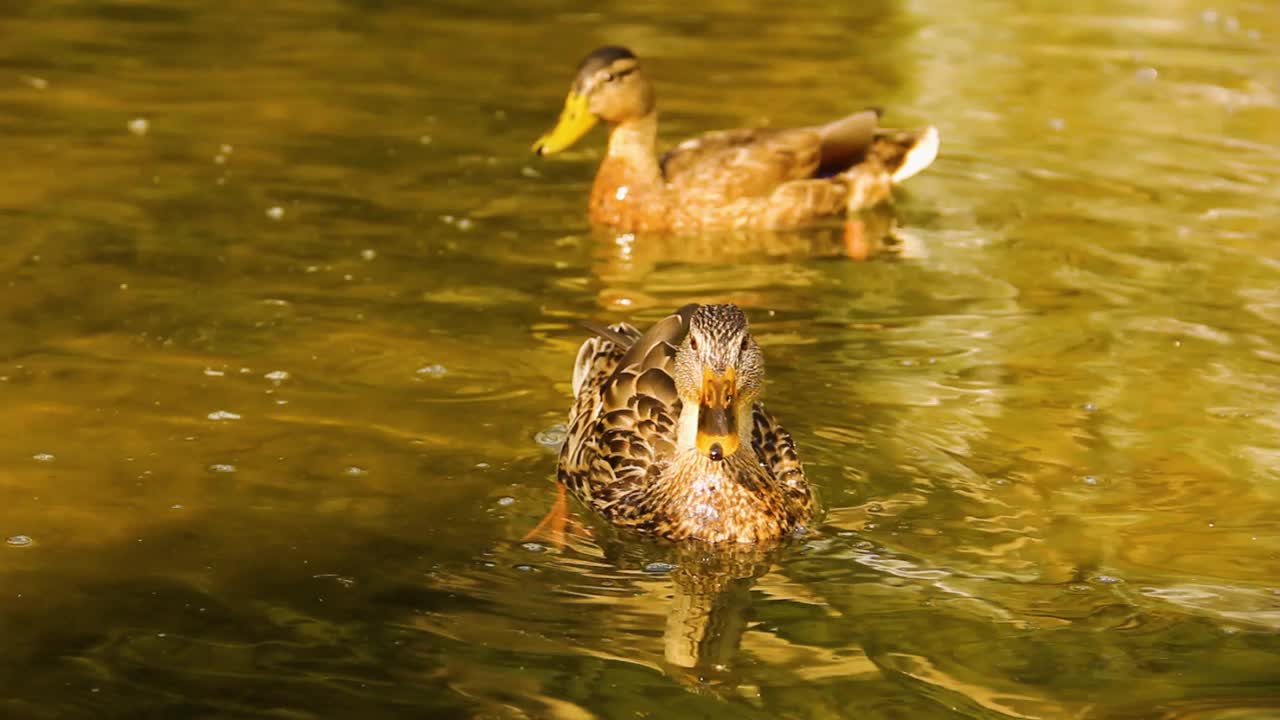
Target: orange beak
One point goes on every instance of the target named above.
(718, 414)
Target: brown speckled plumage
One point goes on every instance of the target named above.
(625, 457)
(729, 179)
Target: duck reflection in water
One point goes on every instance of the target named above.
(635, 272)
(710, 587)
(711, 605)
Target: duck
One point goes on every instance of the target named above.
(742, 179)
(667, 435)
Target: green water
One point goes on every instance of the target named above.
(273, 365)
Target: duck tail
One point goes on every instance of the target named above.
(894, 156)
(904, 153)
(599, 355)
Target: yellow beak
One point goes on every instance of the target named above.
(575, 120)
(718, 415)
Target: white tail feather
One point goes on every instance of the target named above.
(920, 156)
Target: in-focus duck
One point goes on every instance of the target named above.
(667, 435)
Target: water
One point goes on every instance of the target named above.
(288, 308)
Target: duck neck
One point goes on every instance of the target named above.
(628, 190)
(633, 149)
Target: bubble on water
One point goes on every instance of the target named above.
(1088, 407)
(342, 580)
(223, 415)
(1231, 23)
(552, 437)
(139, 126)
(368, 254)
(465, 224)
(355, 471)
(506, 500)
(1107, 579)
(659, 568)
(275, 212)
(1147, 74)
(1057, 124)
(1089, 480)
(222, 468)
(277, 376)
(37, 83)
(534, 547)
(43, 457)
(225, 149)
(1209, 16)
(435, 371)
(529, 172)
(525, 568)
(19, 541)
(176, 506)
(424, 140)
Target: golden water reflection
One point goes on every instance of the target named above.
(274, 361)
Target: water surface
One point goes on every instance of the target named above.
(286, 301)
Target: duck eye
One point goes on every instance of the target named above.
(609, 77)
(746, 343)
(693, 343)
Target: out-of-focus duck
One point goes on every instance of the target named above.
(760, 178)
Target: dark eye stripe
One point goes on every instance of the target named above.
(621, 73)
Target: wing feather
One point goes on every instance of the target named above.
(777, 451)
(742, 163)
(624, 417)
(750, 163)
